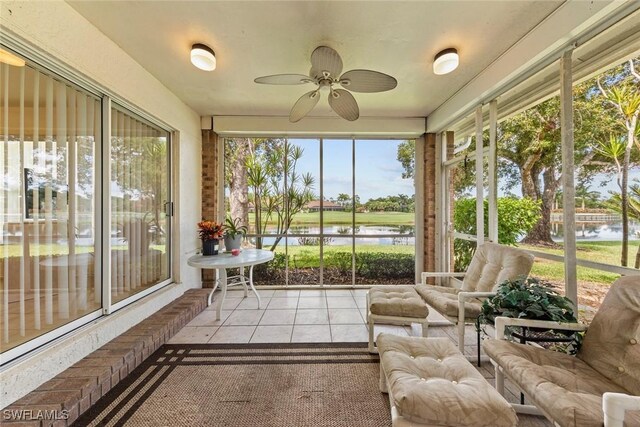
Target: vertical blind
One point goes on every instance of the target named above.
(50, 131)
(139, 191)
(50, 145)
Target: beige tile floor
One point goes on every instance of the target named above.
(310, 315)
(288, 316)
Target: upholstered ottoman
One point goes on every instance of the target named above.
(430, 383)
(395, 305)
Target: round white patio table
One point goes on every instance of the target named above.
(247, 258)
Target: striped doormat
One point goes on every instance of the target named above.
(250, 385)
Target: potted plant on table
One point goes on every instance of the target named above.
(233, 233)
(210, 233)
(529, 298)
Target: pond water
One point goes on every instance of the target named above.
(337, 235)
(609, 231)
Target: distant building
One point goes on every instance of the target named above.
(314, 206)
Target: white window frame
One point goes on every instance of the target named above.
(418, 228)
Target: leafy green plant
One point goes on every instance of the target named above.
(517, 218)
(232, 227)
(528, 298)
(373, 265)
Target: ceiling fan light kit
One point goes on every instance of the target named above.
(203, 57)
(446, 61)
(326, 71)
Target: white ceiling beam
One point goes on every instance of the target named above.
(575, 21)
(364, 127)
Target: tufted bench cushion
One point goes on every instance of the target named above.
(445, 301)
(431, 383)
(563, 386)
(399, 301)
(395, 304)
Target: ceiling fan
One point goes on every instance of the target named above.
(326, 69)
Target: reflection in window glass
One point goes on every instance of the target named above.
(140, 230)
(47, 156)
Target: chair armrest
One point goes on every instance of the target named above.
(503, 322)
(426, 274)
(463, 296)
(614, 405)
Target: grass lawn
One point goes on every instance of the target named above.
(344, 218)
(309, 256)
(598, 251)
(55, 249)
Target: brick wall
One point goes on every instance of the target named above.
(429, 199)
(209, 186)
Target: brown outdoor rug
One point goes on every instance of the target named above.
(254, 385)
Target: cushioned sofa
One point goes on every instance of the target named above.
(569, 390)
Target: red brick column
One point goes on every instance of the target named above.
(429, 198)
(209, 187)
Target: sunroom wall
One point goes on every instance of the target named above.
(56, 31)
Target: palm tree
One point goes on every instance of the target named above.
(625, 99)
(633, 204)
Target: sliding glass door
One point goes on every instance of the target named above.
(59, 244)
(50, 134)
(140, 228)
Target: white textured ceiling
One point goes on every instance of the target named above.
(255, 38)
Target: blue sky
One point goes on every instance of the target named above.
(378, 172)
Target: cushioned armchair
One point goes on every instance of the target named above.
(601, 384)
(491, 265)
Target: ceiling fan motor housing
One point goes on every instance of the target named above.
(341, 101)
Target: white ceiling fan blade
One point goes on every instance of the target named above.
(325, 59)
(344, 104)
(304, 105)
(283, 79)
(367, 81)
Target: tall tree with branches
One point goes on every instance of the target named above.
(621, 92)
(529, 148)
(278, 190)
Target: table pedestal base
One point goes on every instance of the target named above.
(223, 281)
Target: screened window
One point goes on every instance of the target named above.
(335, 211)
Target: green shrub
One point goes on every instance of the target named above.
(272, 270)
(339, 260)
(374, 265)
(516, 217)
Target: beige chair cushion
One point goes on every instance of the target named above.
(564, 387)
(432, 383)
(492, 264)
(445, 301)
(400, 301)
(611, 345)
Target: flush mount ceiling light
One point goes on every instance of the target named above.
(446, 61)
(11, 59)
(202, 56)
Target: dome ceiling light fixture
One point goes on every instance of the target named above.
(446, 61)
(7, 57)
(203, 57)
